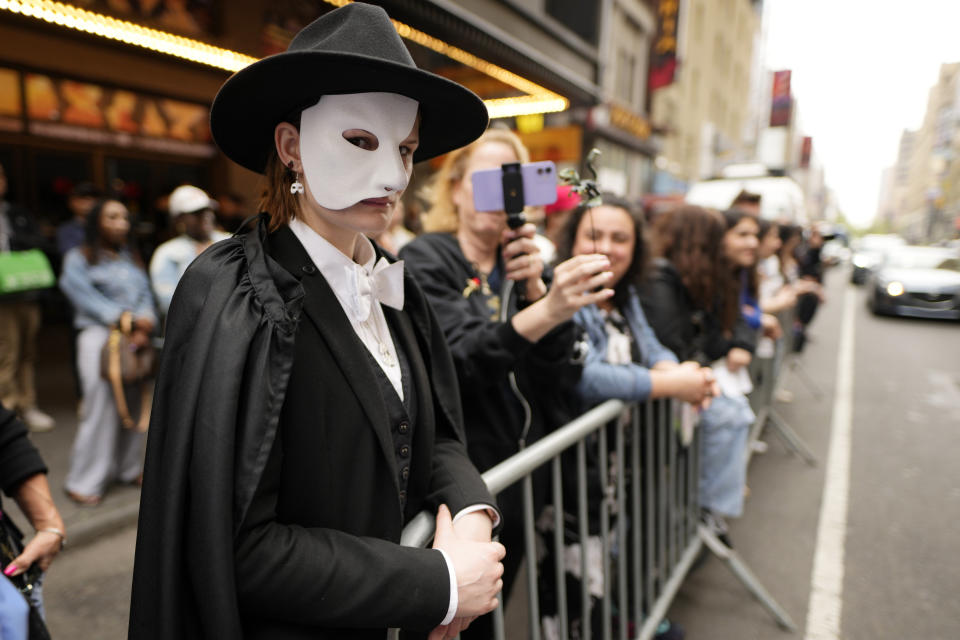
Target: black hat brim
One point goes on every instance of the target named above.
(254, 100)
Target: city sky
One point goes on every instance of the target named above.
(862, 70)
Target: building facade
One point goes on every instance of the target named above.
(119, 95)
(704, 117)
(926, 188)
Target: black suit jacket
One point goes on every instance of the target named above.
(294, 438)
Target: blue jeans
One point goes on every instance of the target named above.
(13, 612)
(724, 428)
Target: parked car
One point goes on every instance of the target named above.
(868, 252)
(922, 282)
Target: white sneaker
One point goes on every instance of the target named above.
(37, 421)
(784, 395)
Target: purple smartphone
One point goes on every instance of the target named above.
(539, 186)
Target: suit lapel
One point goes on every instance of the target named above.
(330, 321)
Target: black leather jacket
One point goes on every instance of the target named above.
(690, 332)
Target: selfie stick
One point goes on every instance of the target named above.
(512, 181)
(513, 198)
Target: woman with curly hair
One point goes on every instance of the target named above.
(692, 301)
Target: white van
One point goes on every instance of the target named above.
(781, 196)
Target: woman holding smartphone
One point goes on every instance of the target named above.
(462, 263)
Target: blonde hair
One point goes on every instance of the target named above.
(441, 214)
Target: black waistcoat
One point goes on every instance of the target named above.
(402, 414)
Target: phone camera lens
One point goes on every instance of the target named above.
(548, 169)
(539, 171)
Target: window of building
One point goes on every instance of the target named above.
(626, 71)
(583, 18)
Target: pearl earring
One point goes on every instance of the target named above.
(297, 186)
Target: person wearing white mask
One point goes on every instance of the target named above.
(306, 406)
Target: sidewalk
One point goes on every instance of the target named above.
(57, 396)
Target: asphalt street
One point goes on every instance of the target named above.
(901, 570)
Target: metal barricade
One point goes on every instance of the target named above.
(649, 526)
(767, 375)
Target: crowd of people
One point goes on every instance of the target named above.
(315, 393)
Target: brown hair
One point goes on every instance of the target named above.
(691, 239)
(93, 247)
(276, 199)
(746, 197)
(441, 214)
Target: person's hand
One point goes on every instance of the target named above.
(788, 296)
(738, 358)
(42, 549)
(771, 326)
(452, 630)
(144, 324)
(575, 284)
(140, 338)
(695, 384)
(476, 526)
(476, 564)
(522, 261)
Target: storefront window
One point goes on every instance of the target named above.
(53, 173)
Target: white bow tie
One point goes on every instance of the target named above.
(384, 283)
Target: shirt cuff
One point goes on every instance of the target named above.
(454, 599)
(494, 516)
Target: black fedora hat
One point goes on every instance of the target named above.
(353, 49)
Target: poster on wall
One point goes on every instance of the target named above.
(282, 19)
(87, 112)
(11, 104)
(781, 106)
(663, 61)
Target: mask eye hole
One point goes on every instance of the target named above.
(361, 138)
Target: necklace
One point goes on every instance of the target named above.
(386, 356)
(492, 299)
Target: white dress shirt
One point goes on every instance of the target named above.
(344, 275)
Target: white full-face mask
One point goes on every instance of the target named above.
(339, 173)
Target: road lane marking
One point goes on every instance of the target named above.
(826, 581)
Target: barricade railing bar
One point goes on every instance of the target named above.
(643, 483)
(767, 374)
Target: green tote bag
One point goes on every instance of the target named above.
(24, 271)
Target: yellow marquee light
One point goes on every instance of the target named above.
(114, 29)
(538, 99)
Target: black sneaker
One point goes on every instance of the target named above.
(669, 631)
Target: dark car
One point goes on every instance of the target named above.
(868, 253)
(922, 282)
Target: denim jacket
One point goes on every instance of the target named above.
(630, 382)
(101, 292)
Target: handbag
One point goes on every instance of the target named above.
(128, 368)
(11, 546)
(25, 271)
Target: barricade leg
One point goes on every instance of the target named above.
(750, 581)
(790, 438)
(669, 591)
(797, 367)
